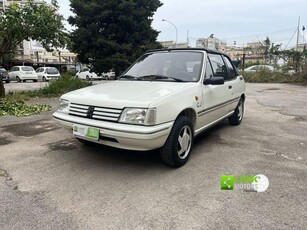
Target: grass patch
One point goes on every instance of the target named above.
(274, 77)
(19, 108)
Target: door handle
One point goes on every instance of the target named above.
(230, 86)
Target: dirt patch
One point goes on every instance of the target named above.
(64, 145)
(5, 141)
(30, 129)
(300, 118)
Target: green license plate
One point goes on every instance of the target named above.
(86, 131)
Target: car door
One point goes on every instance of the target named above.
(215, 97)
(39, 73)
(235, 83)
(12, 73)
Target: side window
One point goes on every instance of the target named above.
(231, 70)
(209, 73)
(218, 66)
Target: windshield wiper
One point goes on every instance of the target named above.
(157, 77)
(129, 77)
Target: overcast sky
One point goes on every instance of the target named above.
(228, 20)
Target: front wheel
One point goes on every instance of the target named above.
(18, 79)
(176, 151)
(7, 81)
(237, 117)
(44, 79)
(34, 80)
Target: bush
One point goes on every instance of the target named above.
(274, 77)
(62, 85)
(55, 88)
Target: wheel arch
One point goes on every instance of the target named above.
(243, 96)
(189, 113)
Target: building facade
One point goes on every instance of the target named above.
(211, 42)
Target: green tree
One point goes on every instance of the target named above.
(111, 34)
(270, 51)
(39, 22)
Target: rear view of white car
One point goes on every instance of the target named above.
(22, 73)
(87, 74)
(47, 73)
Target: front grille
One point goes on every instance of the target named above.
(94, 112)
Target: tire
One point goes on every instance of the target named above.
(23, 80)
(34, 80)
(237, 117)
(18, 79)
(87, 78)
(171, 153)
(44, 79)
(7, 81)
(106, 77)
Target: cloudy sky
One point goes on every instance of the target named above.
(229, 20)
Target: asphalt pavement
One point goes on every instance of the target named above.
(48, 180)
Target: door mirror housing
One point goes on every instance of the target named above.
(214, 81)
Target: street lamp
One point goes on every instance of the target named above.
(164, 20)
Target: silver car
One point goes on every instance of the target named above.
(47, 73)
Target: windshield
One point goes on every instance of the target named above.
(52, 71)
(27, 68)
(178, 66)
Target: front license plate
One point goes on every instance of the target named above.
(85, 131)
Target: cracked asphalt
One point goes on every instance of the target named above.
(48, 180)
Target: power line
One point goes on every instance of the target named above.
(258, 35)
(291, 38)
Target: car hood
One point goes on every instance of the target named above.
(120, 94)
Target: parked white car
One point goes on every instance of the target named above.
(255, 68)
(47, 73)
(87, 74)
(163, 101)
(22, 73)
(109, 75)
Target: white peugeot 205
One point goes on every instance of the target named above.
(165, 99)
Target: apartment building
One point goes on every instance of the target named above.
(211, 42)
(2, 5)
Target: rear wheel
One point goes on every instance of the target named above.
(18, 79)
(176, 151)
(237, 116)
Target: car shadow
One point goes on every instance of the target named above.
(105, 156)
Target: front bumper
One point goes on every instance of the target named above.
(124, 136)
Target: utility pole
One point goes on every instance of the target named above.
(298, 33)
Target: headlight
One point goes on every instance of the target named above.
(63, 107)
(138, 116)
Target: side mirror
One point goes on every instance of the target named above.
(214, 81)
